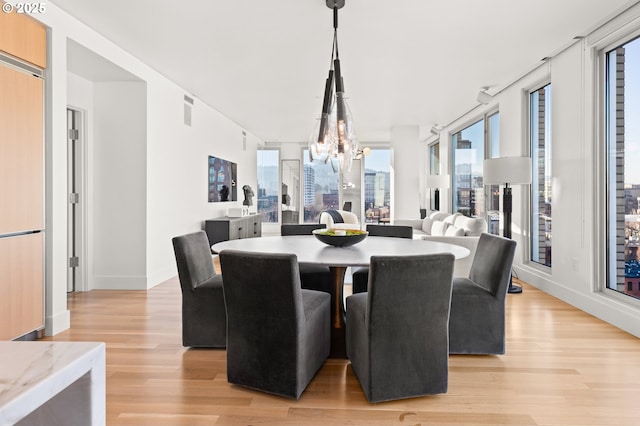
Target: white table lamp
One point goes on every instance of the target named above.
(438, 182)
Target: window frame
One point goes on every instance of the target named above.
(362, 162)
(484, 117)
(603, 214)
(598, 50)
(278, 207)
(434, 168)
(488, 189)
(529, 196)
(375, 147)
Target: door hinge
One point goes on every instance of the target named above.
(74, 134)
(74, 198)
(74, 262)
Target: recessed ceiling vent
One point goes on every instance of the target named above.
(188, 105)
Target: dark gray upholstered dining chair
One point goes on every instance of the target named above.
(312, 276)
(360, 275)
(204, 318)
(278, 334)
(397, 332)
(477, 320)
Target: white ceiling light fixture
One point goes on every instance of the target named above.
(333, 138)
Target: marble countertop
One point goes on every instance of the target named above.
(32, 373)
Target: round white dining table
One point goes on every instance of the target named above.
(308, 249)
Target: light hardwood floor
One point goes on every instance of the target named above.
(562, 367)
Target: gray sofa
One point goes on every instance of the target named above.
(449, 228)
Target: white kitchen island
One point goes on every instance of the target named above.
(52, 383)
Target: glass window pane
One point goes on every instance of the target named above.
(468, 155)
(434, 158)
(434, 169)
(493, 135)
(493, 201)
(320, 189)
(540, 138)
(623, 173)
(268, 184)
(377, 185)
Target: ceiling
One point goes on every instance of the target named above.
(263, 64)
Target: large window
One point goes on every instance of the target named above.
(622, 87)
(320, 189)
(468, 155)
(434, 169)
(493, 191)
(377, 185)
(268, 179)
(540, 139)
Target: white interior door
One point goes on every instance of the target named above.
(76, 202)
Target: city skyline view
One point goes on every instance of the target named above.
(632, 112)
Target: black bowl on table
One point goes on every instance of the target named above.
(334, 237)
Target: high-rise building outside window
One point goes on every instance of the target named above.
(493, 191)
(468, 156)
(622, 136)
(320, 189)
(540, 139)
(434, 169)
(377, 185)
(268, 178)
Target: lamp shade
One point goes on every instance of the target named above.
(511, 170)
(437, 181)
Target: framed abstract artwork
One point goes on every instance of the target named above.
(222, 180)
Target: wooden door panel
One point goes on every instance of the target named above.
(21, 151)
(21, 285)
(23, 37)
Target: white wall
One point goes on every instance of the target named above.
(166, 192)
(177, 200)
(118, 194)
(574, 276)
(57, 316)
(408, 162)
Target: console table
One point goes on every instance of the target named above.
(52, 383)
(233, 228)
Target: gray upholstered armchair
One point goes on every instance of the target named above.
(360, 275)
(397, 332)
(312, 276)
(278, 334)
(477, 320)
(204, 318)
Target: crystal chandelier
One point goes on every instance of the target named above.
(333, 139)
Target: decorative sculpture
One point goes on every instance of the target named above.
(248, 195)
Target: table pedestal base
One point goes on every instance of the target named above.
(338, 332)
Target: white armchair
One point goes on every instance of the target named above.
(349, 220)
